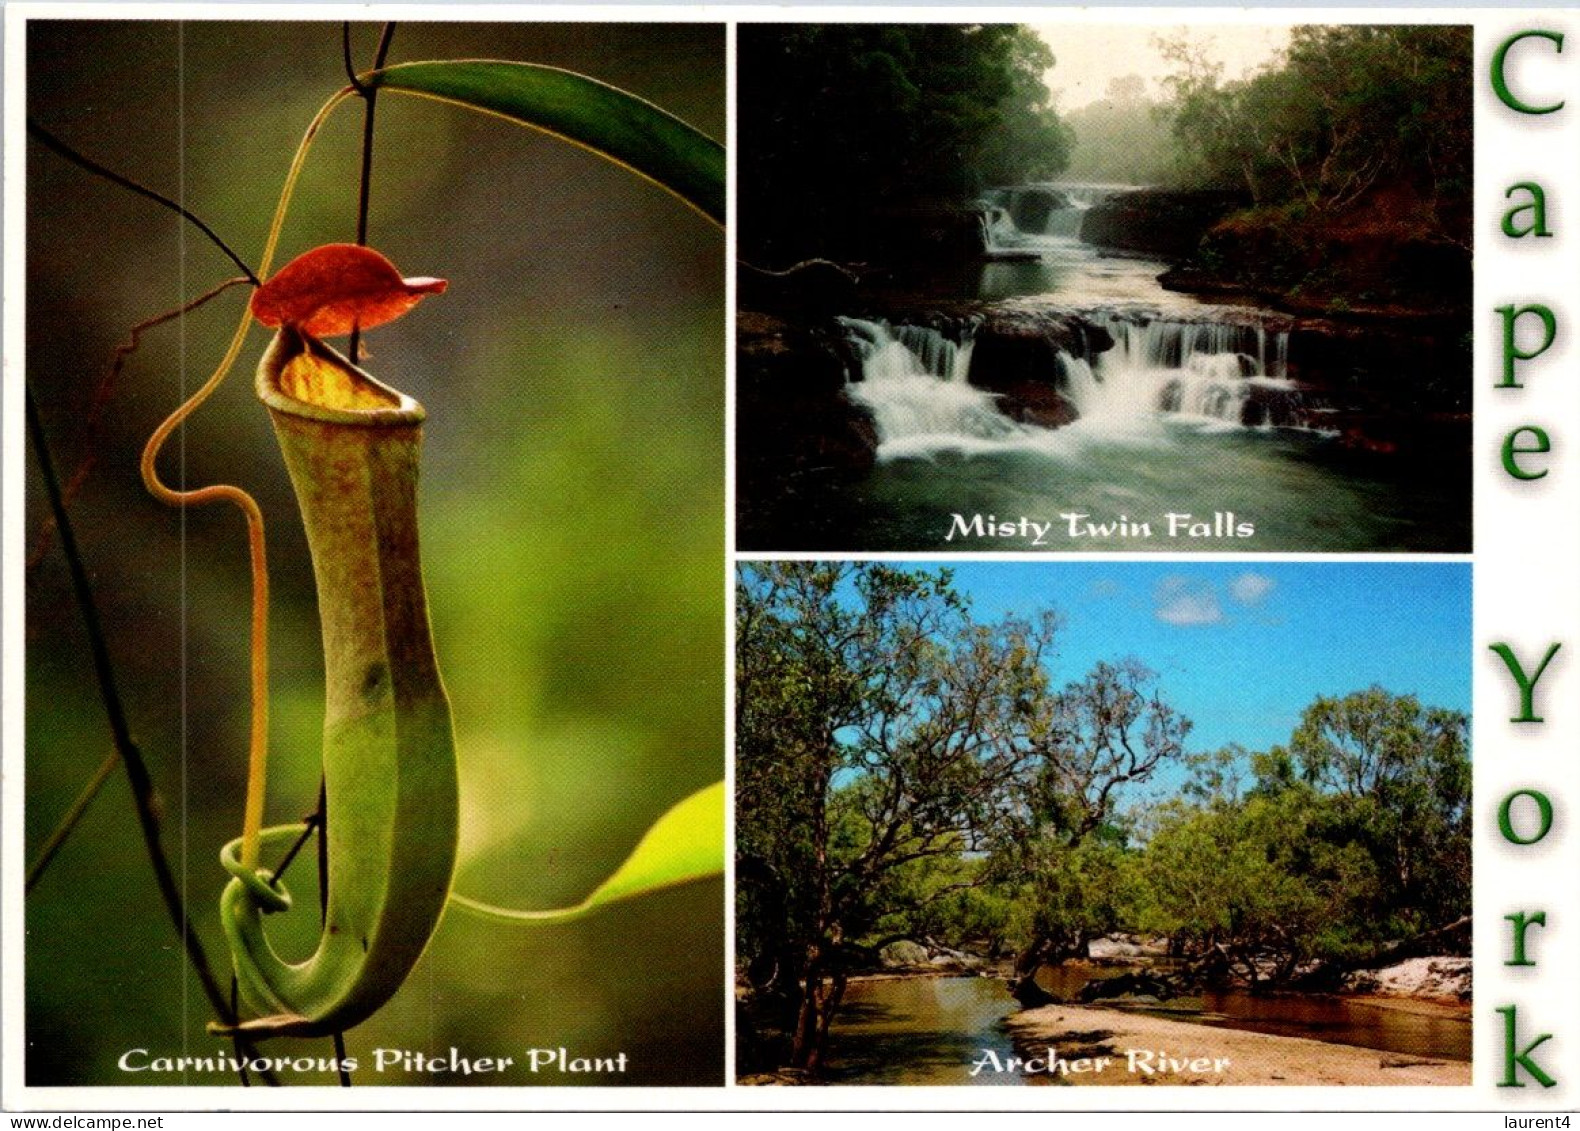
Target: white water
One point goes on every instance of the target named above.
(1188, 413)
(1160, 373)
(1055, 264)
(1200, 372)
(913, 379)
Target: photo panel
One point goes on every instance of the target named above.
(741, 559)
(1103, 824)
(422, 869)
(1097, 286)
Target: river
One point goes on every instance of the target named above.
(1265, 442)
(921, 1031)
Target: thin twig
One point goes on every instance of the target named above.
(144, 795)
(308, 825)
(235, 1039)
(345, 53)
(70, 154)
(364, 195)
(101, 397)
(340, 1060)
(69, 821)
(323, 848)
(369, 100)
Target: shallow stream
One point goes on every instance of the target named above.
(922, 1031)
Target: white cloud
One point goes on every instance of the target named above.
(1185, 603)
(1105, 587)
(1250, 588)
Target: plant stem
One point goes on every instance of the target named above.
(369, 101)
(101, 397)
(258, 754)
(308, 826)
(48, 139)
(365, 184)
(144, 795)
(68, 823)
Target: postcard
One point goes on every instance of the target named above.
(790, 559)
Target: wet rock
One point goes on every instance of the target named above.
(929, 235)
(1168, 223)
(795, 426)
(1275, 406)
(1031, 207)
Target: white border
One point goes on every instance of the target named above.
(1526, 569)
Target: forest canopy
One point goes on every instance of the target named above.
(839, 118)
(844, 128)
(1350, 110)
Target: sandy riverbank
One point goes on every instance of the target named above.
(1108, 1047)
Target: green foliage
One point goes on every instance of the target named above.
(1351, 109)
(880, 729)
(1355, 834)
(904, 771)
(1400, 773)
(1260, 884)
(1110, 730)
(686, 843)
(1073, 894)
(878, 725)
(604, 119)
(558, 430)
(837, 119)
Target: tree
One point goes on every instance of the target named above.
(879, 728)
(1123, 137)
(1101, 736)
(1256, 888)
(1402, 774)
(1355, 833)
(840, 119)
(1351, 108)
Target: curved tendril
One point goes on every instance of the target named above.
(258, 747)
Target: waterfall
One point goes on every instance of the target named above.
(1211, 375)
(913, 380)
(1214, 373)
(1083, 196)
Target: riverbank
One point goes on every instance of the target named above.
(1109, 1047)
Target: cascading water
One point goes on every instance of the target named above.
(1051, 227)
(1213, 373)
(1162, 405)
(913, 380)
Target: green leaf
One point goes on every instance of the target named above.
(686, 843)
(628, 130)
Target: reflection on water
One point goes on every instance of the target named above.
(920, 1031)
(1336, 1020)
(932, 1030)
(1344, 1021)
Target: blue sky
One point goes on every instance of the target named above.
(1242, 648)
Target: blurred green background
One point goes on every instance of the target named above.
(572, 503)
